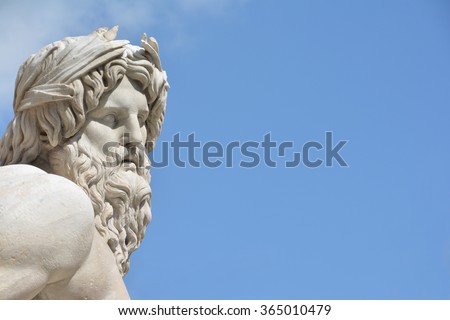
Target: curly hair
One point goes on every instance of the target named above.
(54, 94)
(56, 89)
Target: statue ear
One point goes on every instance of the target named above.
(43, 138)
(59, 121)
(50, 126)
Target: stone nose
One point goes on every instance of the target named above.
(132, 134)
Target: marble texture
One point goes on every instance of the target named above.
(74, 172)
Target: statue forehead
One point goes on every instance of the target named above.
(47, 75)
(126, 94)
(57, 74)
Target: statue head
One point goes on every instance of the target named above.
(90, 108)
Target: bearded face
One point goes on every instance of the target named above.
(84, 107)
(108, 161)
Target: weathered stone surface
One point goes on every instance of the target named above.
(74, 175)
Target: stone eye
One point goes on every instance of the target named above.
(142, 119)
(110, 119)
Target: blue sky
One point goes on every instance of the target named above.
(375, 73)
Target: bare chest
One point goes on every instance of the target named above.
(98, 278)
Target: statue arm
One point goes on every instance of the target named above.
(46, 230)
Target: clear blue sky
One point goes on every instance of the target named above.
(376, 73)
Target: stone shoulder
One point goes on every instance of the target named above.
(45, 220)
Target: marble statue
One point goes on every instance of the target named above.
(74, 171)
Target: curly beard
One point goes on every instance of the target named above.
(120, 196)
